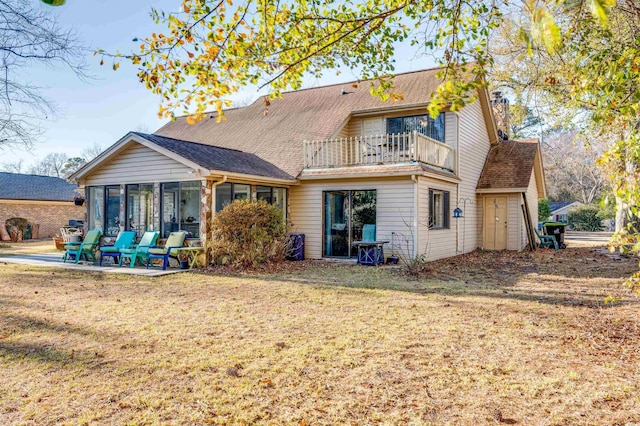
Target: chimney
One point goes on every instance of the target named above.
(500, 107)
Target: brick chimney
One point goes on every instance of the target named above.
(500, 107)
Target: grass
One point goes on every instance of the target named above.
(488, 338)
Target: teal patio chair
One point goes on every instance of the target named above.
(139, 251)
(170, 249)
(124, 240)
(546, 240)
(87, 248)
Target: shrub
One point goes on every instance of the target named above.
(544, 210)
(586, 218)
(247, 233)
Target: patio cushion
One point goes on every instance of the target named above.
(109, 249)
(157, 251)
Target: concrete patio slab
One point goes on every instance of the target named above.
(55, 260)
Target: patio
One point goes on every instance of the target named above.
(55, 260)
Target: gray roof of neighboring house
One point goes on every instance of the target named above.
(557, 205)
(276, 135)
(509, 165)
(216, 158)
(16, 186)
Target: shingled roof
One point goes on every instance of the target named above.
(307, 114)
(509, 165)
(16, 186)
(216, 158)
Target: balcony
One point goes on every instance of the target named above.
(379, 149)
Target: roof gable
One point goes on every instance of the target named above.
(204, 159)
(16, 186)
(277, 135)
(509, 165)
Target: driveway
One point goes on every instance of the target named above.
(587, 239)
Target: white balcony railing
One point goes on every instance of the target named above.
(379, 149)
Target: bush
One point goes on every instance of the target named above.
(544, 210)
(247, 233)
(586, 218)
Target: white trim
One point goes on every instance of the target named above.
(500, 190)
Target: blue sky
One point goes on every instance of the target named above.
(106, 106)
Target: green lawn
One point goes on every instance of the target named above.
(486, 338)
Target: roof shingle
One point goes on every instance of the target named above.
(508, 165)
(16, 186)
(307, 114)
(217, 158)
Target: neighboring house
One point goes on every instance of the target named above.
(560, 210)
(43, 200)
(334, 158)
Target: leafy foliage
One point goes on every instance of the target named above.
(247, 233)
(587, 217)
(544, 210)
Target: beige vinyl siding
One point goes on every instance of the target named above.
(474, 145)
(437, 243)
(514, 225)
(395, 201)
(139, 164)
(532, 200)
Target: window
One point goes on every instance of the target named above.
(228, 192)
(95, 206)
(180, 208)
(438, 209)
(139, 208)
(424, 124)
(104, 209)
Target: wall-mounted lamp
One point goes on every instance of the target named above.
(457, 213)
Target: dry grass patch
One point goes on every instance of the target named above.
(28, 247)
(525, 342)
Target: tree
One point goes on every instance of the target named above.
(91, 152)
(51, 165)
(28, 37)
(13, 166)
(71, 165)
(210, 49)
(571, 168)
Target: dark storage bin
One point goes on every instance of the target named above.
(27, 232)
(295, 246)
(555, 229)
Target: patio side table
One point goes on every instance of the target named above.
(370, 252)
(192, 255)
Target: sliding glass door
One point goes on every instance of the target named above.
(345, 214)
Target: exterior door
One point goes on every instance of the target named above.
(495, 223)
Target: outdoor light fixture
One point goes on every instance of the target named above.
(457, 213)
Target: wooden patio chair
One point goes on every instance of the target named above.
(124, 240)
(86, 248)
(546, 240)
(170, 249)
(140, 250)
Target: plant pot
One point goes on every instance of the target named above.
(78, 201)
(184, 264)
(393, 260)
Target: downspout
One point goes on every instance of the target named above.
(414, 179)
(213, 193)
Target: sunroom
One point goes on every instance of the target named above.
(148, 182)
